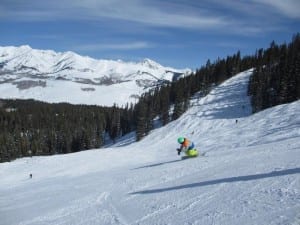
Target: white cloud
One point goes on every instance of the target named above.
(153, 15)
(110, 46)
(214, 15)
(130, 10)
(289, 8)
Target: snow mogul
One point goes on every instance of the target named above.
(187, 146)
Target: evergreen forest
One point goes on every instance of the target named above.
(30, 128)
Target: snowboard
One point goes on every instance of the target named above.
(192, 154)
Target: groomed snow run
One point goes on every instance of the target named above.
(250, 173)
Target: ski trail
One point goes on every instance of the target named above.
(106, 204)
(90, 210)
(249, 175)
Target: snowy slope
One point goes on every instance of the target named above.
(68, 77)
(250, 173)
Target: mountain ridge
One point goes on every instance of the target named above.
(27, 68)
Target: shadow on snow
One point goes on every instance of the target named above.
(223, 180)
(158, 164)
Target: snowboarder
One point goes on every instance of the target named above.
(187, 146)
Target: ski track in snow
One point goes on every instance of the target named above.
(250, 173)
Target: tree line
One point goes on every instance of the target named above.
(276, 78)
(29, 127)
(169, 102)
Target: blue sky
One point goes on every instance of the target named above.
(177, 33)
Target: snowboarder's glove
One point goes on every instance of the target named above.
(178, 150)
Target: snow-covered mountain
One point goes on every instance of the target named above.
(249, 175)
(68, 77)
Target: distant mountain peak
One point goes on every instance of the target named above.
(151, 64)
(25, 47)
(52, 76)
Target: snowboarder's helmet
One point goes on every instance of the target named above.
(180, 140)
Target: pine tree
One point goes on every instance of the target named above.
(164, 105)
(179, 107)
(115, 127)
(141, 127)
(297, 75)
